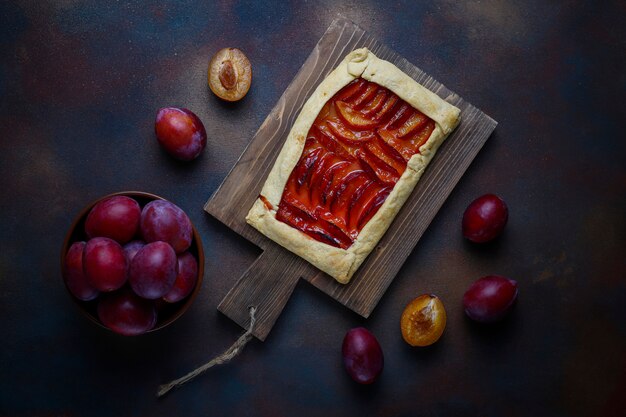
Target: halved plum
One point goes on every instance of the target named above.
(230, 74)
(423, 320)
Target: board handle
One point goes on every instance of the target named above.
(266, 285)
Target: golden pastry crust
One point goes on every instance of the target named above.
(339, 263)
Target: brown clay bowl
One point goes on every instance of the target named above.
(167, 313)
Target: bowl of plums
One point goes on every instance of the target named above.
(132, 262)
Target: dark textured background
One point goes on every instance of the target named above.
(80, 83)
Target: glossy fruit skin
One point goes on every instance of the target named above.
(490, 298)
(132, 247)
(180, 132)
(116, 217)
(186, 278)
(74, 274)
(165, 221)
(126, 313)
(485, 218)
(362, 355)
(105, 264)
(153, 270)
(423, 320)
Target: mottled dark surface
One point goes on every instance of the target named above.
(80, 83)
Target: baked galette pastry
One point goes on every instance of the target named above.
(350, 161)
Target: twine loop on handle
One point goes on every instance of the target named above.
(225, 357)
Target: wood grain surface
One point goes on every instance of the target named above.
(270, 280)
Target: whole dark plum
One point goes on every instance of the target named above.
(185, 279)
(485, 218)
(126, 313)
(74, 274)
(105, 264)
(132, 247)
(362, 355)
(153, 270)
(116, 217)
(490, 298)
(165, 221)
(180, 132)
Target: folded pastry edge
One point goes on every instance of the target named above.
(339, 263)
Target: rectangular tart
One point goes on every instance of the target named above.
(350, 161)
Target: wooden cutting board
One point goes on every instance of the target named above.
(270, 280)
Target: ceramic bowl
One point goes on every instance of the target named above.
(167, 313)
